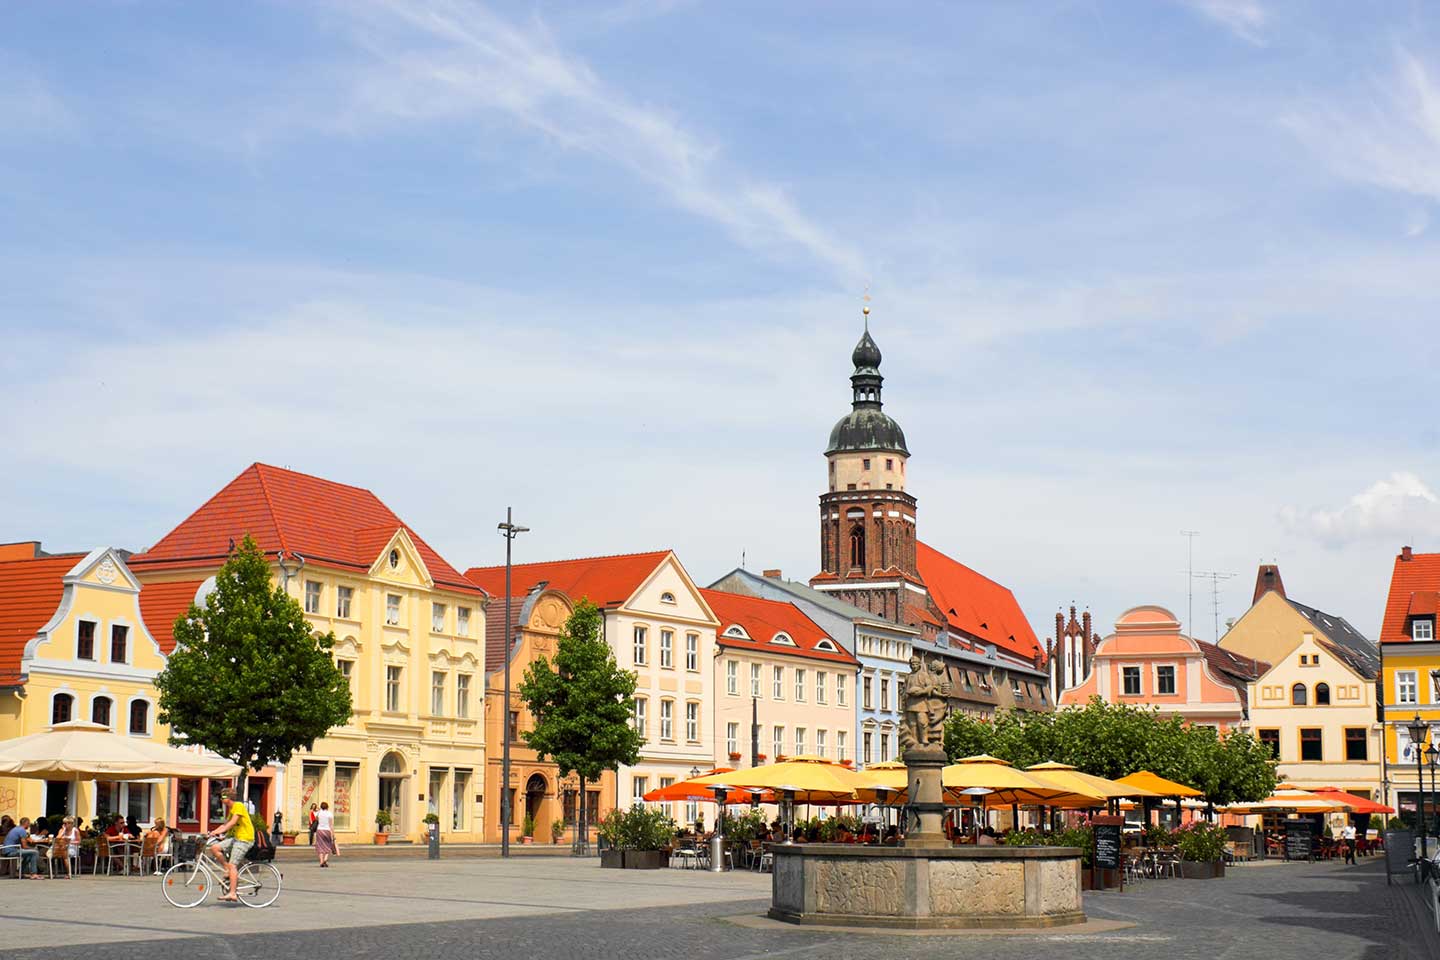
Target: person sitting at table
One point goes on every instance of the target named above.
(18, 842)
(67, 844)
(132, 827)
(37, 829)
(987, 838)
(116, 830)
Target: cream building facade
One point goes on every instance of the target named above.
(1315, 705)
(409, 635)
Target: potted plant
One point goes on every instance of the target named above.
(382, 826)
(734, 756)
(428, 820)
(527, 829)
(557, 830)
(287, 837)
(1202, 850)
(638, 838)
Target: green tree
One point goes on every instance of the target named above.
(582, 708)
(249, 678)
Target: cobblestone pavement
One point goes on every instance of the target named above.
(546, 909)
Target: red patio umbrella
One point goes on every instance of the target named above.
(1356, 804)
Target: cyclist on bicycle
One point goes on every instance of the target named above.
(239, 834)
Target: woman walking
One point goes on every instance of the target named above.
(311, 825)
(325, 834)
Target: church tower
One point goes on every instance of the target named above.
(867, 520)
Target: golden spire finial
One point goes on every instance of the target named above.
(866, 308)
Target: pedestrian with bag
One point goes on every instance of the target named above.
(324, 834)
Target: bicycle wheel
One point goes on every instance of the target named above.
(259, 884)
(185, 885)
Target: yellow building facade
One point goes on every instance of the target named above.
(409, 633)
(74, 646)
(1315, 703)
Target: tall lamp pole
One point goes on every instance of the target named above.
(1418, 730)
(1432, 756)
(509, 530)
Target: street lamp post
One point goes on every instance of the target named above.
(1432, 756)
(509, 530)
(1418, 730)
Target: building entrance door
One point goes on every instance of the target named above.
(392, 791)
(534, 800)
(57, 798)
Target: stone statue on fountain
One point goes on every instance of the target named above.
(922, 732)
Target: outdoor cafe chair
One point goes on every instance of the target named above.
(152, 852)
(685, 854)
(1167, 864)
(109, 853)
(14, 860)
(61, 850)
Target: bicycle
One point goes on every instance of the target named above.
(188, 883)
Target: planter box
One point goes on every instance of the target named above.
(1191, 870)
(287, 839)
(644, 859)
(612, 859)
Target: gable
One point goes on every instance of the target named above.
(669, 593)
(1270, 630)
(399, 562)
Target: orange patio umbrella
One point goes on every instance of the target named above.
(690, 790)
(1158, 785)
(1357, 804)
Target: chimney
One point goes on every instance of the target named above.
(1405, 554)
(771, 574)
(1266, 581)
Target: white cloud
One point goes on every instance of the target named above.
(441, 59)
(1389, 138)
(1401, 507)
(1246, 19)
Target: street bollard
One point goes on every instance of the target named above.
(434, 851)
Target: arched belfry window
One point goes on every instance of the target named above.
(857, 546)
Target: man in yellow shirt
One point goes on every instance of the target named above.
(239, 838)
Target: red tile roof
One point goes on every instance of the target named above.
(495, 632)
(1418, 574)
(328, 523)
(161, 604)
(30, 592)
(974, 604)
(1424, 603)
(762, 619)
(606, 581)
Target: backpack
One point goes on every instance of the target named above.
(263, 851)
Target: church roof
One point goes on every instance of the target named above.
(974, 604)
(867, 428)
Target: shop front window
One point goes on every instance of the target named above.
(345, 775)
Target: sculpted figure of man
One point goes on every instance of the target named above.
(921, 688)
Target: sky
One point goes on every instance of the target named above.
(1135, 268)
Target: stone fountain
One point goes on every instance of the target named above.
(926, 882)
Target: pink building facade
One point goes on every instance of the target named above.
(1148, 662)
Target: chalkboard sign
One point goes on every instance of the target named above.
(1107, 846)
(1299, 836)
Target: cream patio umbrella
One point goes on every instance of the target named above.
(80, 750)
(1288, 797)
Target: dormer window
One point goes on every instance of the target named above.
(827, 646)
(783, 639)
(736, 631)
(1422, 628)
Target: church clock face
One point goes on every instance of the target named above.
(394, 559)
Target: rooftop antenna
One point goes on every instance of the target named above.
(1215, 579)
(742, 559)
(865, 308)
(1190, 536)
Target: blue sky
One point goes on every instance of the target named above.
(1135, 268)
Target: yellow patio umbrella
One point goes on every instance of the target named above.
(1063, 775)
(1157, 786)
(1006, 784)
(807, 779)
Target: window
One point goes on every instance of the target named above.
(85, 640)
(857, 545)
(462, 695)
(667, 719)
(1298, 695)
(392, 609)
(865, 692)
(1271, 739)
(119, 643)
(840, 689)
(821, 696)
(667, 597)
(755, 680)
(1016, 689)
(799, 685)
(437, 693)
(640, 645)
(732, 738)
(1422, 629)
(866, 462)
(437, 618)
(667, 649)
(512, 721)
(343, 596)
(692, 652)
(777, 746)
(639, 786)
(777, 688)
(865, 746)
(799, 741)
(884, 693)
(1322, 695)
(840, 745)
(392, 688)
(820, 737)
(1407, 687)
(343, 806)
(312, 596)
(459, 799)
(692, 721)
(100, 711)
(139, 717)
(641, 723)
(347, 668)
(1357, 743)
(462, 621)
(885, 746)
(1310, 746)
(1130, 678)
(732, 677)
(889, 463)
(62, 708)
(1165, 680)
